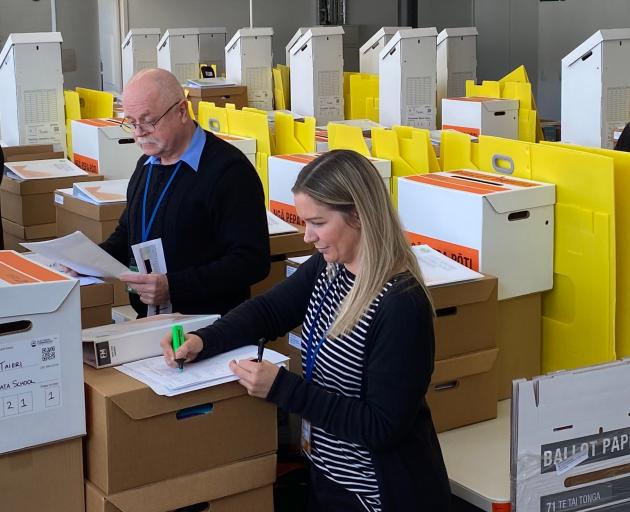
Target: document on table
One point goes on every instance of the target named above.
(439, 269)
(101, 192)
(150, 259)
(168, 381)
(277, 226)
(78, 252)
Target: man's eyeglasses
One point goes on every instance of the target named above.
(130, 127)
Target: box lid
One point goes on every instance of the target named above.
(34, 232)
(110, 128)
(489, 104)
(456, 32)
(99, 212)
(299, 33)
(29, 38)
(373, 41)
(176, 32)
(597, 38)
(140, 32)
(43, 186)
(28, 288)
(139, 401)
(30, 152)
(462, 293)
(213, 30)
(407, 33)
(465, 365)
(249, 32)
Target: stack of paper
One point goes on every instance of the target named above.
(43, 169)
(101, 192)
(210, 82)
(438, 269)
(168, 381)
(277, 226)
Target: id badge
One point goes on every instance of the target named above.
(306, 437)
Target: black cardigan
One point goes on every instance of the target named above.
(213, 227)
(392, 418)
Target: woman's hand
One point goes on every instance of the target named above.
(189, 350)
(256, 377)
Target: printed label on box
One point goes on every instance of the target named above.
(30, 376)
(287, 212)
(86, 163)
(466, 256)
(295, 341)
(58, 199)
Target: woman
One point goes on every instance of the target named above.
(367, 347)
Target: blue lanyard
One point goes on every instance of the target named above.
(311, 352)
(147, 229)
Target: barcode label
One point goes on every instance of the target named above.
(48, 353)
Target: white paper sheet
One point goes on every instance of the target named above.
(101, 192)
(150, 259)
(168, 381)
(277, 226)
(78, 252)
(42, 169)
(438, 269)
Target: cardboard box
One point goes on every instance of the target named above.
(408, 79)
(463, 390)
(31, 202)
(14, 234)
(519, 340)
(178, 52)
(242, 486)
(236, 94)
(41, 381)
(96, 304)
(284, 170)
(31, 90)
(101, 146)
(128, 425)
(139, 51)
(248, 61)
(317, 74)
(96, 221)
(465, 317)
(290, 345)
(570, 440)
(491, 223)
(30, 152)
(481, 116)
(246, 145)
(116, 344)
(48, 477)
(368, 53)
(596, 89)
(121, 295)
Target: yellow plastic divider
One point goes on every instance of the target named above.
(456, 151)
(293, 137)
(285, 72)
(343, 136)
(212, 118)
(72, 109)
(519, 75)
(361, 87)
(416, 148)
(95, 103)
(371, 109)
(278, 92)
(487, 89)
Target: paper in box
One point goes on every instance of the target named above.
(491, 223)
(571, 440)
(128, 423)
(115, 344)
(41, 382)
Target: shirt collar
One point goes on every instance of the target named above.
(192, 155)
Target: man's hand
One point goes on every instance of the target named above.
(152, 288)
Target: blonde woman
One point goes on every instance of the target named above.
(367, 347)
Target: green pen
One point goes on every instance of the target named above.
(177, 334)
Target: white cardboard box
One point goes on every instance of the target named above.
(284, 170)
(101, 146)
(31, 90)
(317, 74)
(408, 79)
(456, 61)
(212, 47)
(596, 88)
(368, 53)
(248, 61)
(41, 368)
(490, 223)
(287, 49)
(481, 116)
(139, 51)
(178, 52)
(569, 431)
(111, 345)
(247, 145)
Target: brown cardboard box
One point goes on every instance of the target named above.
(463, 390)
(95, 221)
(14, 234)
(46, 478)
(31, 202)
(236, 94)
(30, 152)
(96, 304)
(133, 433)
(121, 295)
(239, 487)
(288, 345)
(519, 340)
(465, 317)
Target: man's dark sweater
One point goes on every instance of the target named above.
(212, 224)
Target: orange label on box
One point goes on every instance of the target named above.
(286, 212)
(15, 269)
(463, 255)
(464, 129)
(473, 187)
(86, 163)
(300, 159)
(100, 122)
(497, 178)
(501, 507)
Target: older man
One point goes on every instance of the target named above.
(197, 193)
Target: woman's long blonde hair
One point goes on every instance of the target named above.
(347, 182)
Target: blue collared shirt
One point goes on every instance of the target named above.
(192, 155)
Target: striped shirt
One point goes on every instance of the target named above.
(339, 367)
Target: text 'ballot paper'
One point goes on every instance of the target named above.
(168, 381)
(78, 252)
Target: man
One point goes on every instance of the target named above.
(197, 193)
